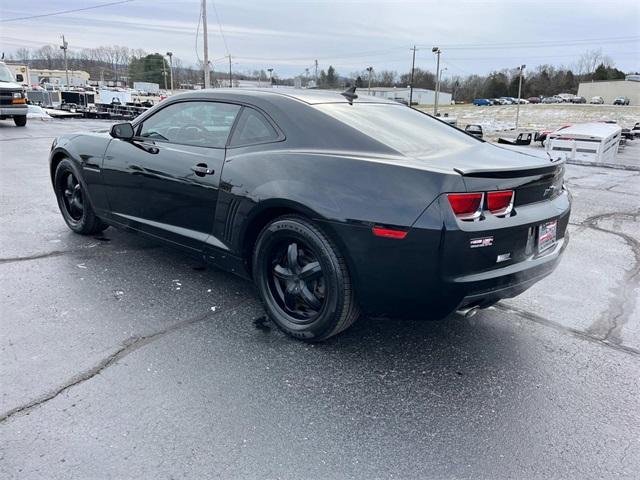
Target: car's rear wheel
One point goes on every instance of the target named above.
(73, 202)
(303, 280)
(20, 120)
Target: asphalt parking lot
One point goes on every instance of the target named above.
(121, 358)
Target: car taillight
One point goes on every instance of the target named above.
(501, 202)
(389, 232)
(466, 206)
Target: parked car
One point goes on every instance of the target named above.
(482, 102)
(254, 182)
(13, 100)
(534, 99)
(578, 99)
(597, 100)
(549, 100)
(566, 97)
(621, 101)
(495, 101)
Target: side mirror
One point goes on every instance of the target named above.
(123, 131)
(19, 78)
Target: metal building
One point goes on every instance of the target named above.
(610, 89)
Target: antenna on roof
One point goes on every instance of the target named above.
(350, 94)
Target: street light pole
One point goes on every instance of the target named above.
(437, 51)
(413, 66)
(64, 47)
(369, 69)
(230, 84)
(521, 68)
(170, 55)
(270, 70)
(207, 79)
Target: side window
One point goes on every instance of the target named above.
(252, 128)
(201, 124)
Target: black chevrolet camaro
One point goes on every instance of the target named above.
(332, 204)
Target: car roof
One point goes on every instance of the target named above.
(308, 96)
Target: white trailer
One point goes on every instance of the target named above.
(595, 142)
(114, 96)
(146, 87)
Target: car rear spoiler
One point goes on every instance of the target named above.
(511, 172)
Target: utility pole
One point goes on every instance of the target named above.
(164, 73)
(521, 68)
(436, 50)
(316, 74)
(270, 70)
(369, 69)
(413, 66)
(170, 55)
(230, 84)
(207, 79)
(64, 47)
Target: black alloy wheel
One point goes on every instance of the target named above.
(303, 280)
(73, 201)
(296, 281)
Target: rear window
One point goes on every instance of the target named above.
(404, 129)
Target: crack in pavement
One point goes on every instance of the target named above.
(129, 346)
(609, 326)
(57, 253)
(566, 330)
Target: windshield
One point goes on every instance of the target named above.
(406, 130)
(5, 74)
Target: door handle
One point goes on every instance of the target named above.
(201, 170)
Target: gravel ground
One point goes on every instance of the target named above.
(123, 359)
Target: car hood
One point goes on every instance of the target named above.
(10, 86)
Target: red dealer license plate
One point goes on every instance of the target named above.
(547, 235)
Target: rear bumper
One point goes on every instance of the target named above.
(18, 110)
(433, 271)
(485, 289)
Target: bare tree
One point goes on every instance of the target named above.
(589, 61)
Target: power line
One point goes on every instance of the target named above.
(215, 10)
(198, 32)
(541, 43)
(62, 12)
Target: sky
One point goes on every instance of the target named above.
(475, 36)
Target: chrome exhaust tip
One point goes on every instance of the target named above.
(468, 312)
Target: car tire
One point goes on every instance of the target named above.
(20, 120)
(303, 280)
(73, 203)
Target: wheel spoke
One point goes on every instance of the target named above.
(282, 273)
(292, 258)
(309, 298)
(70, 185)
(311, 271)
(289, 297)
(68, 193)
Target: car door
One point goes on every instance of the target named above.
(165, 181)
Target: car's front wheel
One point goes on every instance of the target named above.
(303, 279)
(73, 202)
